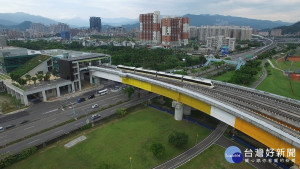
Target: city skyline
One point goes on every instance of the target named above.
(255, 9)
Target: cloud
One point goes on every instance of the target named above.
(285, 10)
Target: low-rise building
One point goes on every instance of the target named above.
(216, 42)
(276, 32)
(72, 65)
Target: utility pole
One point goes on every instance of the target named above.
(74, 112)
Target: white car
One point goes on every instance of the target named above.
(1, 129)
(95, 116)
(95, 106)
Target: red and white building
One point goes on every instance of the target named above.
(150, 31)
(170, 31)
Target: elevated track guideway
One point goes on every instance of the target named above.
(271, 119)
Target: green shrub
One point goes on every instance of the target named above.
(178, 139)
(157, 149)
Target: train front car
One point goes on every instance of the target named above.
(198, 81)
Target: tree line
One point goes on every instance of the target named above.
(155, 59)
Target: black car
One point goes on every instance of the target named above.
(24, 121)
(91, 96)
(10, 126)
(80, 100)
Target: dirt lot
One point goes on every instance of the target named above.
(295, 76)
(294, 58)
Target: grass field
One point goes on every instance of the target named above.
(111, 145)
(279, 84)
(288, 65)
(224, 77)
(213, 158)
(10, 103)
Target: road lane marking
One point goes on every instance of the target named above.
(52, 120)
(34, 141)
(3, 136)
(50, 111)
(78, 124)
(58, 131)
(28, 127)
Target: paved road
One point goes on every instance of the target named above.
(65, 129)
(194, 151)
(56, 116)
(262, 77)
(35, 110)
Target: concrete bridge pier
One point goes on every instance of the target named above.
(178, 110)
(97, 81)
(186, 110)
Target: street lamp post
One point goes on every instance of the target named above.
(74, 112)
(130, 158)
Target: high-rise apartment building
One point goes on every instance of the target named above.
(95, 24)
(150, 30)
(59, 27)
(38, 27)
(175, 31)
(193, 32)
(240, 33)
(172, 31)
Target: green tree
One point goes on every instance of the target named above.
(178, 139)
(39, 76)
(129, 90)
(54, 73)
(196, 47)
(47, 76)
(28, 78)
(14, 76)
(157, 149)
(21, 81)
(34, 79)
(121, 112)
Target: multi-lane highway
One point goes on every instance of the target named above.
(56, 116)
(65, 129)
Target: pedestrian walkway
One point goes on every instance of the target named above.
(194, 151)
(75, 94)
(274, 66)
(262, 77)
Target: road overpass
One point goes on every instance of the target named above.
(273, 120)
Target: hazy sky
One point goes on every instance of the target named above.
(285, 10)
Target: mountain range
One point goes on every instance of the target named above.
(292, 29)
(198, 20)
(13, 20)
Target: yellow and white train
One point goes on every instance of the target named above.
(182, 78)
